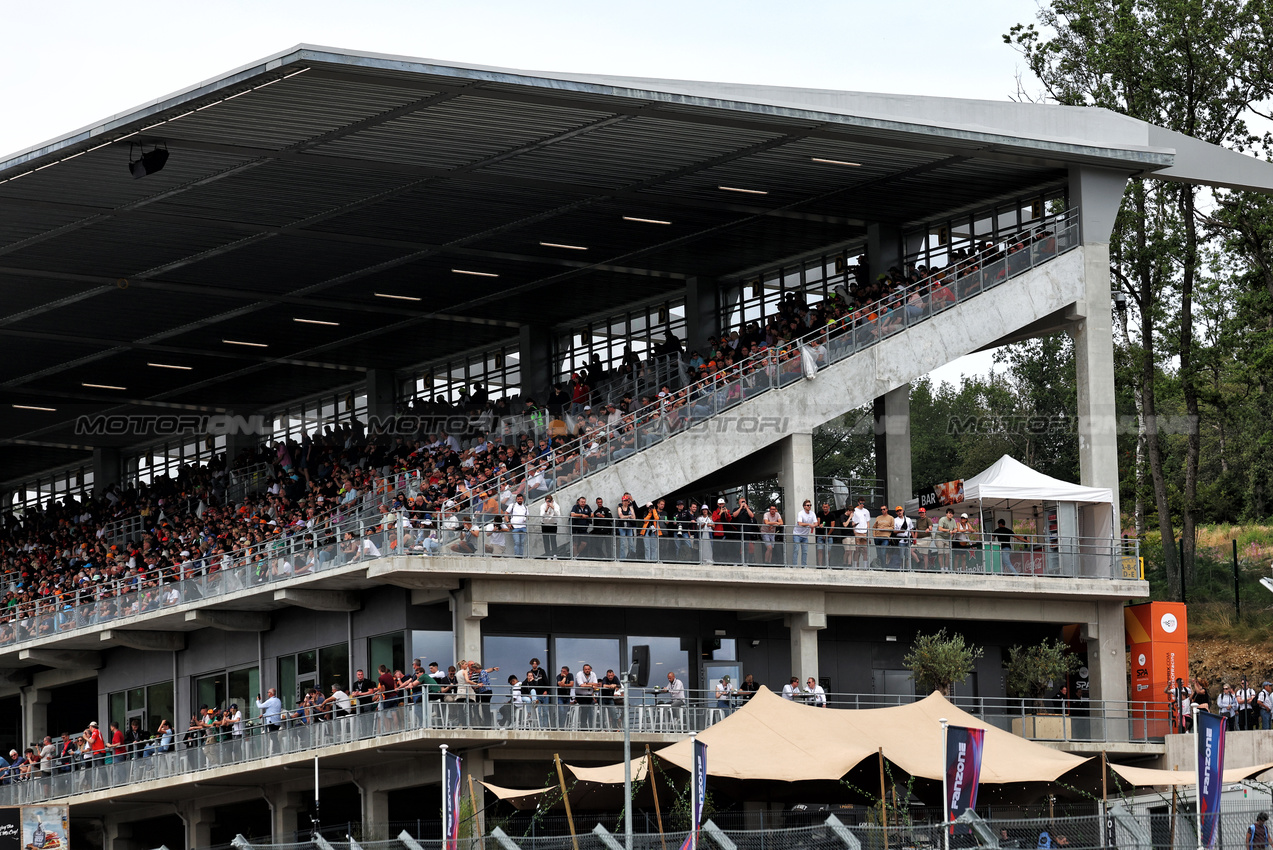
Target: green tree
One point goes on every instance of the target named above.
(1030, 671)
(1193, 66)
(939, 660)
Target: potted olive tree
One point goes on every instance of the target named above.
(1029, 673)
(939, 660)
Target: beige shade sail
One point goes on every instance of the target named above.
(516, 797)
(780, 740)
(1145, 776)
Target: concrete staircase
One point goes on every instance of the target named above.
(1038, 298)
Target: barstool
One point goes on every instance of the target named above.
(716, 715)
(669, 718)
(644, 718)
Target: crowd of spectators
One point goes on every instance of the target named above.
(55, 561)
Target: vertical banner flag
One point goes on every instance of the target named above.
(1210, 733)
(450, 801)
(963, 768)
(698, 790)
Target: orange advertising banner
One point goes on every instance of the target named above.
(1158, 643)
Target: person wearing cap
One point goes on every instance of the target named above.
(580, 520)
(653, 529)
(882, 536)
(96, 746)
(722, 530)
(746, 531)
(963, 543)
(234, 719)
(684, 520)
(1264, 700)
(705, 525)
(860, 519)
(923, 539)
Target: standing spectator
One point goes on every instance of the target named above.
(923, 539)
(133, 739)
(627, 524)
(652, 529)
(270, 710)
(1227, 704)
(705, 525)
(517, 514)
(882, 536)
(771, 525)
(96, 746)
(806, 522)
(1248, 710)
(1265, 702)
(565, 693)
(537, 681)
(826, 522)
(48, 752)
(118, 752)
(945, 538)
(602, 529)
(747, 531)
(903, 527)
(580, 519)
(861, 521)
(549, 514)
(361, 689)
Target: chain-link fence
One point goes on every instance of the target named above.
(1145, 824)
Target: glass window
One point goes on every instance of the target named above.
(287, 681)
(159, 705)
(244, 685)
(209, 691)
(136, 699)
(306, 662)
(117, 710)
(512, 656)
(389, 650)
(333, 666)
(602, 653)
(436, 646)
(666, 656)
(727, 650)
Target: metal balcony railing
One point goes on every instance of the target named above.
(652, 711)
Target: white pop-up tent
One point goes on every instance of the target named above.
(1084, 515)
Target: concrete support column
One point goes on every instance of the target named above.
(702, 312)
(382, 393)
(237, 439)
(893, 444)
(804, 642)
(35, 713)
(884, 251)
(534, 353)
(468, 624)
(478, 765)
(107, 469)
(795, 475)
(1097, 193)
(286, 809)
(1107, 665)
(198, 822)
(375, 814)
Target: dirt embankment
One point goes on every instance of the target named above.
(1218, 661)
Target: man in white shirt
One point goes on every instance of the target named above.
(270, 710)
(1265, 701)
(814, 694)
(675, 690)
(792, 689)
(903, 528)
(585, 693)
(340, 700)
(861, 522)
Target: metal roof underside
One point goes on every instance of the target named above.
(301, 186)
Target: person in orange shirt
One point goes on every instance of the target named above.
(96, 746)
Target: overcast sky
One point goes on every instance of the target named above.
(79, 61)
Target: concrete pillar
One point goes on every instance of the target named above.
(286, 809)
(35, 713)
(107, 469)
(198, 822)
(795, 475)
(468, 624)
(375, 814)
(893, 444)
(883, 251)
(1107, 665)
(702, 312)
(237, 438)
(477, 765)
(382, 393)
(804, 642)
(1097, 193)
(534, 361)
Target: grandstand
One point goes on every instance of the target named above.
(268, 406)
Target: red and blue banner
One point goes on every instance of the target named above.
(964, 747)
(450, 801)
(1209, 730)
(698, 792)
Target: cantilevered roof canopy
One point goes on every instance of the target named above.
(302, 185)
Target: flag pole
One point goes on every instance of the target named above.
(694, 781)
(883, 801)
(945, 793)
(445, 792)
(1197, 771)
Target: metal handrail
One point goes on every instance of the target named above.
(653, 711)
